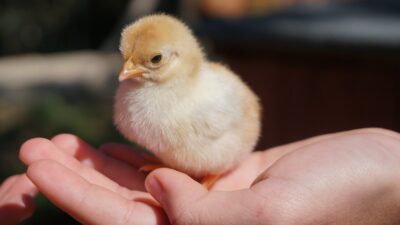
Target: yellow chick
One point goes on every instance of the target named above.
(195, 116)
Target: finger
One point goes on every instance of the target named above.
(187, 202)
(87, 202)
(39, 148)
(20, 185)
(158, 186)
(5, 186)
(120, 172)
(17, 204)
(76, 147)
(124, 153)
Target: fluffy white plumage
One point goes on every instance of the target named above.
(199, 123)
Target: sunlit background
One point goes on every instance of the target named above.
(318, 66)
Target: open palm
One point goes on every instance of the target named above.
(328, 178)
(80, 179)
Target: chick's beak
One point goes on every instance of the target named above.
(129, 71)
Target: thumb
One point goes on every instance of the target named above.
(175, 191)
(187, 202)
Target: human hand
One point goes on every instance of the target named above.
(308, 182)
(346, 178)
(16, 199)
(87, 184)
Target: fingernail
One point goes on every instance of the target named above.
(154, 187)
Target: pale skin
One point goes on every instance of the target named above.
(16, 199)
(344, 178)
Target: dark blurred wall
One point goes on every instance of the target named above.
(311, 93)
(56, 25)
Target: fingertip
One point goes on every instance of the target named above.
(74, 146)
(154, 186)
(165, 175)
(154, 182)
(165, 181)
(67, 142)
(155, 174)
(32, 149)
(175, 191)
(63, 137)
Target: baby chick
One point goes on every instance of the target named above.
(195, 116)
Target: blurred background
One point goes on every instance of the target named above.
(319, 66)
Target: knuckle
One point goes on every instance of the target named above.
(31, 143)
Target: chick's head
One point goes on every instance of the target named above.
(157, 49)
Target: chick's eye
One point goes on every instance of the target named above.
(156, 59)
